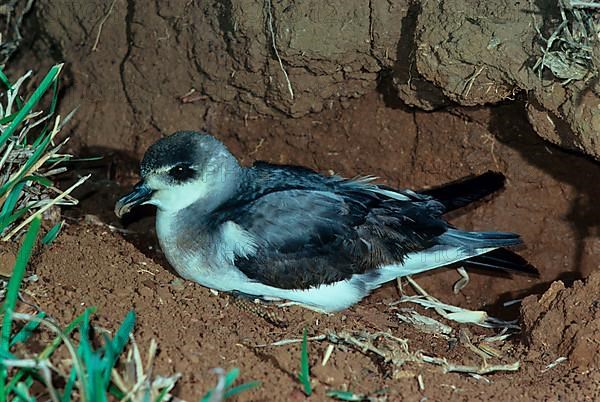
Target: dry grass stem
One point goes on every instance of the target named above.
(568, 51)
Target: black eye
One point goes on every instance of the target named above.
(181, 172)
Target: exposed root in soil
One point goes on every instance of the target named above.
(268, 8)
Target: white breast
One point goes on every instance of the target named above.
(210, 263)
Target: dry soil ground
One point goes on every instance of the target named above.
(550, 198)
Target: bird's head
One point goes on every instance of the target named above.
(180, 170)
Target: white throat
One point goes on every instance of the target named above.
(175, 198)
(207, 191)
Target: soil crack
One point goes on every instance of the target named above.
(129, 38)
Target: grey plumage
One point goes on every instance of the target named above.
(289, 232)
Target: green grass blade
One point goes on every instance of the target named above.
(116, 392)
(12, 293)
(304, 375)
(11, 199)
(106, 357)
(231, 376)
(5, 80)
(68, 389)
(60, 159)
(54, 95)
(52, 234)
(9, 205)
(115, 347)
(22, 393)
(31, 102)
(8, 118)
(14, 284)
(6, 355)
(161, 397)
(14, 217)
(48, 124)
(147, 397)
(241, 388)
(94, 388)
(86, 355)
(27, 330)
(122, 335)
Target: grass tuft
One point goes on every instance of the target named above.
(568, 51)
(94, 371)
(29, 156)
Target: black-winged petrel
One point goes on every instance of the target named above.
(287, 232)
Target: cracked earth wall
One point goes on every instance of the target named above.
(140, 69)
(484, 52)
(136, 61)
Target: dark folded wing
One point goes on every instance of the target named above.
(306, 238)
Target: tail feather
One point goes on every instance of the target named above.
(459, 238)
(503, 259)
(462, 192)
(498, 259)
(479, 249)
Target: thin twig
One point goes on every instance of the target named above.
(460, 368)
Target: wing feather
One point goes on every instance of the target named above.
(306, 238)
(300, 229)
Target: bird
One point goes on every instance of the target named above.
(284, 232)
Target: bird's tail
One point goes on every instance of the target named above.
(503, 259)
(462, 192)
(496, 257)
(461, 238)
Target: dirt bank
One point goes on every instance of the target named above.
(138, 70)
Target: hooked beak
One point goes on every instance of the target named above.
(140, 194)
